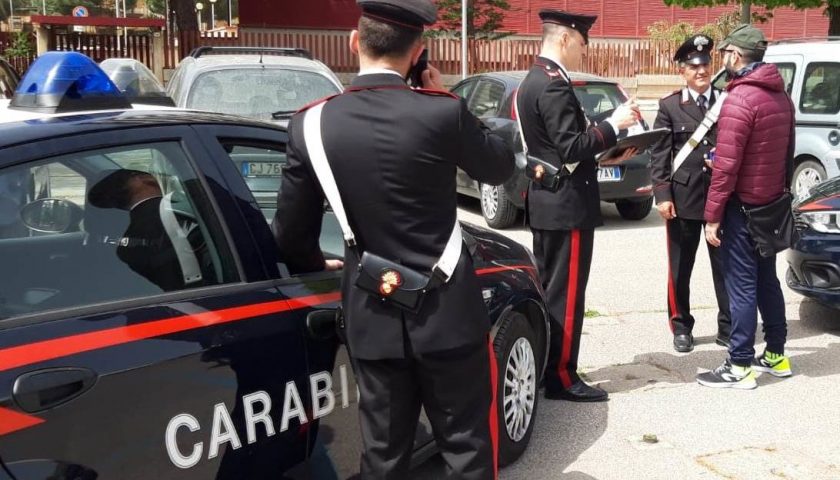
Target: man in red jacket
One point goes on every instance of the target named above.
(754, 131)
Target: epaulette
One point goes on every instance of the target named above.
(438, 93)
(317, 102)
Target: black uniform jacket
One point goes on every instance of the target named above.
(689, 184)
(557, 131)
(394, 154)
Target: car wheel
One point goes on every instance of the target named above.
(498, 210)
(807, 175)
(515, 346)
(634, 210)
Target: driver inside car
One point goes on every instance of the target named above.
(155, 244)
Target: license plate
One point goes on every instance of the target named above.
(609, 174)
(261, 169)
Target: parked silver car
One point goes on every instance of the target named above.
(261, 83)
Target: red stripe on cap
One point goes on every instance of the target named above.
(61, 347)
(12, 421)
(571, 299)
(392, 21)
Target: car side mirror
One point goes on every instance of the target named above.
(50, 215)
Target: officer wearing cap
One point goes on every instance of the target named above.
(556, 130)
(681, 192)
(394, 153)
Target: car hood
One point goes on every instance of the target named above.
(825, 196)
(489, 248)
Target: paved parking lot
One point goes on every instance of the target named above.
(785, 429)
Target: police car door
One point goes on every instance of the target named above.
(140, 336)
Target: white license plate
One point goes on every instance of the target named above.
(262, 169)
(609, 174)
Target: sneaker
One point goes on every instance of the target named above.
(772, 363)
(729, 376)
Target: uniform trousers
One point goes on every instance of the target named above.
(563, 259)
(457, 389)
(753, 286)
(683, 238)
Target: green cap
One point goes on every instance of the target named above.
(746, 37)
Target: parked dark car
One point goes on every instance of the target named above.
(8, 80)
(215, 363)
(814, 261)
(489, 96)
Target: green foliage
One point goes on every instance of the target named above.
(21, 46)
(676, 33)
(484, 18)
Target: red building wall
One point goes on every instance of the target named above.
(617, 18)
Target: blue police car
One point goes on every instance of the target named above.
(147, 328)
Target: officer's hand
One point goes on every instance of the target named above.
(333, 265)
(666, 210)
(625, 155)
(712, 234)
(626, 115)
(431, 79)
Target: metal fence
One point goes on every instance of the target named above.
(101, 46)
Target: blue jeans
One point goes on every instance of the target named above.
(753, 286)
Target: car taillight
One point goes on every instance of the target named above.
(513, 105)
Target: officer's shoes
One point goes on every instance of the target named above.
(772, 363)
(578, 392)
(684, 342)
(729, 376)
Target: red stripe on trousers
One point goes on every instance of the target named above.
(571, 301)
(672, 292)
(494, 413)
(11, 421)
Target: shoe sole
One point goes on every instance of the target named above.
(775, 373)
(737, 386)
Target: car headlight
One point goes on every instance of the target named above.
(827, 221)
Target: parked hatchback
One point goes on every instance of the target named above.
(811, 70)
(267, 84)
(8, 80)
(489, 96)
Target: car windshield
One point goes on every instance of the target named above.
(598, 99)
(258, 92)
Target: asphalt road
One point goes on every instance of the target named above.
(785, 429)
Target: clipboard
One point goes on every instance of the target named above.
(642, 141)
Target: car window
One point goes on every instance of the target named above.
(598, 98)
(788, 72)
(104, 225)
(487, 98)
(261, 166)
(821, 89)
(463, 89)
(257, 93)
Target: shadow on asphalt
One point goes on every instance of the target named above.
(648, 369)
(612, 220)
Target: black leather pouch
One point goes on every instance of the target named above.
(392, 283)
(543, 173)
(771, 226)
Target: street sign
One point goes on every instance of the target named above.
(80, 11)
(79, 28)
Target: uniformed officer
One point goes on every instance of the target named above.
(681, 193)
(394, 153)
(563, 222)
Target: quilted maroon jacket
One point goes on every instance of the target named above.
(755, 126)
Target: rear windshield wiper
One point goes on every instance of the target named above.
(282, 114)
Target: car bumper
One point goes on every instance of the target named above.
(814, 267)
(635, 183)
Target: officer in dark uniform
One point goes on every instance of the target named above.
(563, 222)
(681, 193)
(394, 153)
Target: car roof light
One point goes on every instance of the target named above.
(66, 82)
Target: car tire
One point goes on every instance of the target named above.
(634, 210)
(516, 349)
(496, 207)
(807, 174)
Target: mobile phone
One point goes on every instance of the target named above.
(415, 78)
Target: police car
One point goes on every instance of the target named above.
(147, 329)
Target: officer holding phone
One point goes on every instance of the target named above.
(394, 152)
(681, 171)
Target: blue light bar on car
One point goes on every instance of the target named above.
(66, 82)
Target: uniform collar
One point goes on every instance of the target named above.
(694, 94)
(553, 64)
(377, 79)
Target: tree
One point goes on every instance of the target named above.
(484, 18)
(183, 13)
(832, 8)
(677, 33)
